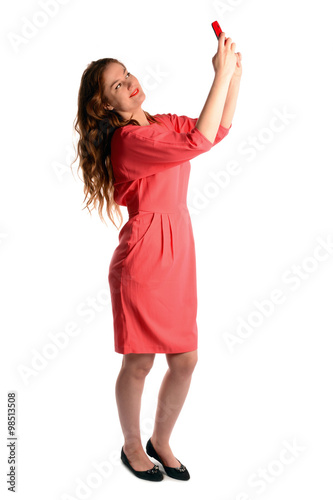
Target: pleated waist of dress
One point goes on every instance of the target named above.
(133, 212)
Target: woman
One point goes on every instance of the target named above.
(131, 158)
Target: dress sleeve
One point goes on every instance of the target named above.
(182, 123)
(142, 151)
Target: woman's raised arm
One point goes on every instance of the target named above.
(224, 63)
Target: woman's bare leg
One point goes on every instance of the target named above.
(128, 389)
(171, 398)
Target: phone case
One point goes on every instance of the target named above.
(217, 29)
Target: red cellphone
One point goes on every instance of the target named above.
(217, 29)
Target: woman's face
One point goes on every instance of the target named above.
(119, 84)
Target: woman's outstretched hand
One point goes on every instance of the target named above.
(224, 61)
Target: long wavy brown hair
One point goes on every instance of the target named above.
(95, 125)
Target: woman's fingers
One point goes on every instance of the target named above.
(221, 39)
(228, 41)
(239, 58)
(229, 44)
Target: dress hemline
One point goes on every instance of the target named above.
(136, 350)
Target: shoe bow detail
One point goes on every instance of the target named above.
(182, 467)
(153, 470)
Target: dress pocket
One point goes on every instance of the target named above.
(150, 262)
(140, 228)
(133, 250)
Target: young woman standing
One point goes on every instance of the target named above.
(131, 158)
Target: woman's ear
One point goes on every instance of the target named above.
(108, 107)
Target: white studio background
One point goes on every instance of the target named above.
(257, 419)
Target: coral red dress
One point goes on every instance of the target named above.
(152, 273)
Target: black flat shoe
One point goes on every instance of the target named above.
(153, 474)
(174, 472)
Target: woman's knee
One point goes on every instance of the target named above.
(139, 365)
(182, 364)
